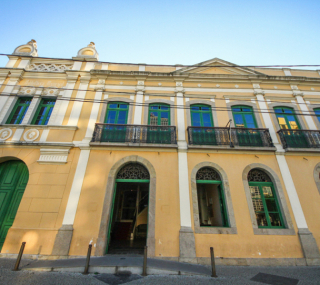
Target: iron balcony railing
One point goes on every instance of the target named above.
(134, 134)
(299, 138)
(229, 137)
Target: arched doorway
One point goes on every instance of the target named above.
(14, 176)
(128, 223)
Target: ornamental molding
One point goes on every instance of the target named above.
(51, 91)
(256, 86)
(297, 93)
(29, 49)
(53, 156)
(5, 134)
(88, 52)
(27, 91)
(258, 92)
(294, 87)
(50, 67)
(31, 135)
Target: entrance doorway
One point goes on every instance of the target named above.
(14, 177)
(128, 224)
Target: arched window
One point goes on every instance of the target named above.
(201, 116)
(286, 118)
(243, 117)
(264, 199)
(117, 113)
(134, 171)
(159, 115)
(211, 200)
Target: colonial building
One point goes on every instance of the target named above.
(173, 157)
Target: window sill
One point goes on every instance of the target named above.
(279, 232)
(236, 148)
(102, 144)
(296, 149)
(45, 127)
(215, 230)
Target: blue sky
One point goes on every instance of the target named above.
(168, 31)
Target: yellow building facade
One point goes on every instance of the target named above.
(178, 158)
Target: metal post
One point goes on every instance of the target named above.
(16, 267)
(86, 269)
(213, 265)
(144, 271)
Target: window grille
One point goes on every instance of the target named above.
(133, 171)
(256, 175)
(207, 173)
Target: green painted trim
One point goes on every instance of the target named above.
(243, 113)
(222, 199)
(111, 216)
(208, 181)
(285, 115)
(25, 107)
(48, 111)
(118, 109)
(133, 180)
(159, 111)
(201, 112)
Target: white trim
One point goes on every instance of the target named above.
(17, 135)
(77, 106)
(44, 136)
(24, 63)
(53, 156)
(11, 62)
(64, 104)
(31, 110)
(7, 90)
(304, 109)
(93, 115)
(138, 109)
(181, 120)
(292, 192)
(184, 195)
(75, 191)
(89, 66)
(104, 66)
(77, 65)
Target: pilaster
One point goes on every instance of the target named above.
(139, 100)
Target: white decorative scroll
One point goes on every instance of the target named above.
(5, 134)
(50, 91)
(53, 156)
(31, 135)
(27, 90)
(49, 67)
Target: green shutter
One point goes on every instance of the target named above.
(43, 112)
(19, 110)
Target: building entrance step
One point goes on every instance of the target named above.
(113, 264)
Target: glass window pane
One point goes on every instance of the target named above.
(206, 120)
(153, 118)
(164, 119)
(278, 110)
(258, 205)
(111, 117)
(122, 117)
(275, 220)
(48, 116)
(288, 111)
(261, 219)
(154, 107)
(249, 120)
(317, 112)
(271, 205)
(267, 192)
(282, 122)
(196, 119)
(236, 109)
(123, 106)
(195, 108)
(205, 108)
(164, 108)
(246, 109)
(41, 115)
(292, 122)
(255, 193)
(113, 106)
(238, 121)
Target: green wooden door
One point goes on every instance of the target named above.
(14, 177)
(244, 118)
(289, 123)
(201, 116)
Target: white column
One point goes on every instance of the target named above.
(283, 165)
(89, 65)
(77, 105)
(64, 103)
(138, 106)
(32, 108)
(24, 63)
(304, 109)
(75, 191)
(11, 62)
(93, 116)
(292, 192)
(184, 194)
(77, 65)
(7, 91)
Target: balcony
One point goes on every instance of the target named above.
(233, 137)
(134, 134)
(300, 139)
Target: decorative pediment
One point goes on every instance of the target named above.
(218, 66)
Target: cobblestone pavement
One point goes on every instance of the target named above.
(226, 275)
